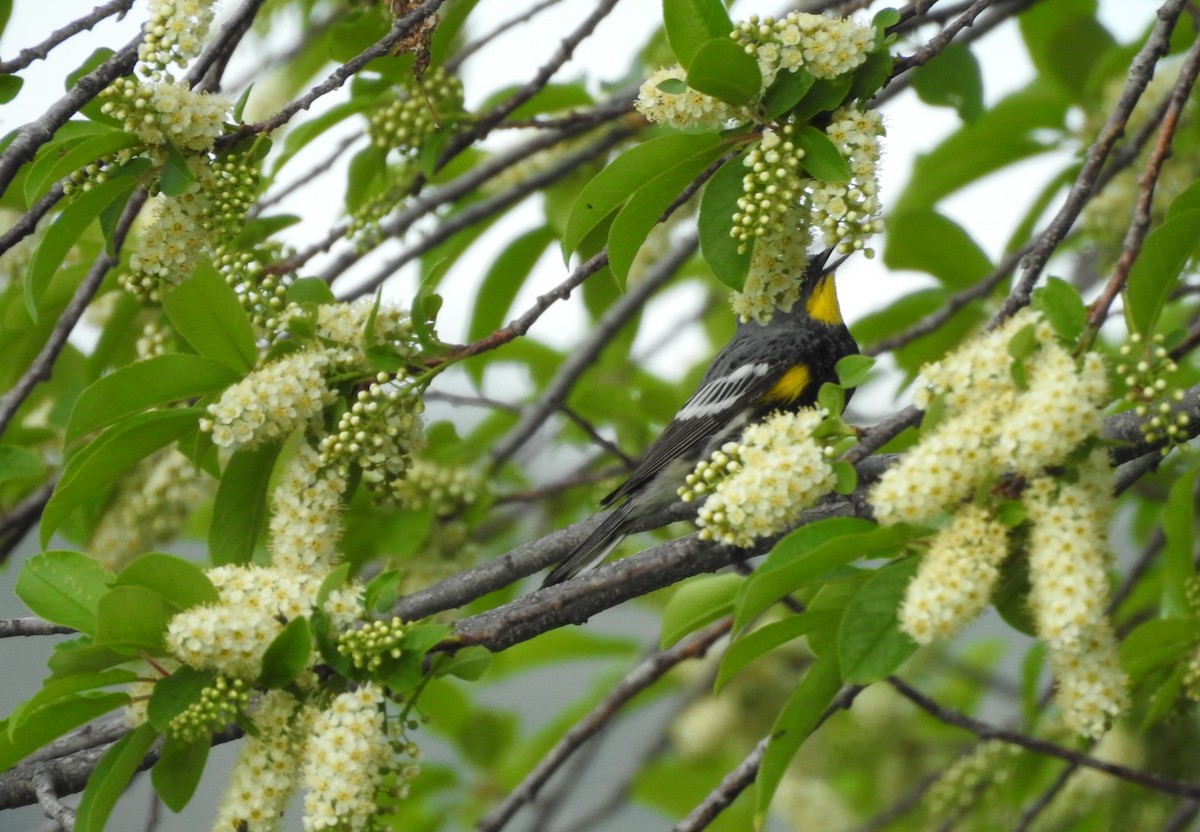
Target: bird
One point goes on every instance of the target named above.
(779, 365)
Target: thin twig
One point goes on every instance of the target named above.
(64, 816)
(31, 626)
(39, 52)
(596, 437)
(474, 46)
(20, 518)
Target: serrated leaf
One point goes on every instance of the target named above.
(287, 655)
(63, 587)
(62, 157)
(132, 617)
(643, 210)
(1156, 271)
(240, 507)
(110, 777)
(616, 183)
(1060, 304)
(766, 638)
(952, 78)
(176, 178)
(811, 551)
(690, 24)
(156, 381)
(177, 772)
(183, 584)
(698, 602)
(718, 202)
(870, 642)
(91, 471)
(785, 92)
(206, 311)
(957, 260)
(72, 221)
(172, 695)
(799, 717)
(722, 69)
(822, 159)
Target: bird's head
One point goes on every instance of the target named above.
(818, 297)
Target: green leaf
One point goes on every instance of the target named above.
(240, 507)
(722, 69)
(552, 98)
(260, 229)
(718, 202)
(1179, 529)
(626, 174)
(176, 178)
(366, 177)
(871, 76)
(154, 382)
(10, 85)
(1065, 42)
(957, 260)
(822, 159)
(310, 290)
(643, 210)
(469, 663)
(823, 96)
(1061, 305)
(1155, 644)
(62, 235)
(766, 638)
(305, 132)
(132, 617)
(503, 280)
(183, 584)
(852, 370)
(1156, 271)
(690, 24)
(847, 477)
(52, 721)
(56, 690)
(18, 463)
(206, 311)
(952, 79)
(79, 655)
(173, 694)
(62, 157)
(785, 92)
(92, 471)
(698, 602)
(287, 655)
(799, 718)
(110, 777)
(177, 772)
(64, 587)
(811, 551)
(870, 642)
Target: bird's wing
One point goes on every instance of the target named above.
(707, 412)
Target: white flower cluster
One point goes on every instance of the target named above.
(175, 238)
(686, 108)
(956, 577)
(447, 489)
(764, 481)
(306, 515)
(345, 325)
(848, 212)
(253, 604)
(173, 34)
(777, 262)
(271, 402)
(167, 113)
(1068, 562)
(266, 773)
(825, 46)
(991, 425)
(150, 506)
(344, 761)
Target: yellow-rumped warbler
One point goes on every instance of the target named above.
(779, 365)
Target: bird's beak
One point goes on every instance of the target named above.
(821, 265)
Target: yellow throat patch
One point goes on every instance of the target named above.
(822, 304)
(789, 386)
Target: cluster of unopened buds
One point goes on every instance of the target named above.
(369, 645)
(1149, 392)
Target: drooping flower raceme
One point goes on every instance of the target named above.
(760, 484)
(271, 402)
(306, 515)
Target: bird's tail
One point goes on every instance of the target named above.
(593, 548)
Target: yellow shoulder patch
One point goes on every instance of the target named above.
(822, 304)
(789, 386)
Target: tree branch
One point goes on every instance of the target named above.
(39, 52)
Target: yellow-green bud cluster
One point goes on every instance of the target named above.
(262, 293)
(407, 123)
(95, 173)
(219, 705)
(365, 226)
(1144, 371)
(771, 186)
(378, 433)
(761, 484)
(174, 34)
(237, 180)
(825, 46)
(447, 489)
(959, 786)
(369, 645)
